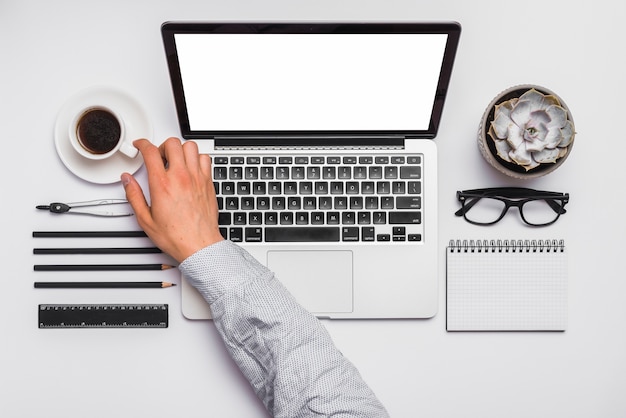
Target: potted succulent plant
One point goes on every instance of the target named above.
(526, 131)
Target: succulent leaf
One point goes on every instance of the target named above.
(531, 130)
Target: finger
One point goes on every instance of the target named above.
(205, 166)
(172, 152)
(192, 158)
(136, 199)
(151, 157)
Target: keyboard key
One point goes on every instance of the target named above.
(360, 172)
(313, 172)
(306, 187)
(402, 217)
(376, 172)
(271, 218)
(228, 188)
(352, 187)
(235, 173)
(410, 172)
(409, 202)
(286, 218)
(398, 187)
(415, 237)
(332, 218)
(321, 187)
(297, 172)
(364, 218)
(391, 172)
(247, 203)
(350, 233)
(235, 234)
(224, 218)
(348, 218)
(220, 173)
(255, 218)
(290, 187)
(282, 173)
(259, 188)
(254, 234)
(267, 173)
(302, 234)
(302, 218)
(344, 173)
(317, 218)
(278, 203)
(243, 187)
(371, 202)
(415, 187)
(263, 203)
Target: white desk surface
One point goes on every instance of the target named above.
(52, 49)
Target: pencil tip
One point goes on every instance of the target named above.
(167, 266)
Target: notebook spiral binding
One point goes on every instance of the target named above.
(509, 246)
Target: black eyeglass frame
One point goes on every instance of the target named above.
(555, 200)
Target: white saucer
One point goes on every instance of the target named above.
(136, 123)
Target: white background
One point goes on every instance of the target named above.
(50, 50)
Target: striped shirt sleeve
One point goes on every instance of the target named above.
(282, 349)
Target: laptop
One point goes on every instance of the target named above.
(321, 136)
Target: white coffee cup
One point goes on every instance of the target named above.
(97, 132)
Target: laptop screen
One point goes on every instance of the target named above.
(307, 79)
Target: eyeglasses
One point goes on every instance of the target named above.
(488, 206)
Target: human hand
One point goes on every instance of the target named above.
(182, 216)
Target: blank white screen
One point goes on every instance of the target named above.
(310, 81)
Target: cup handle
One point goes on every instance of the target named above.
(128, 149)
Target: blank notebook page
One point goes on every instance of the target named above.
(506, 286)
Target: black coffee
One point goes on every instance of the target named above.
(98, 131)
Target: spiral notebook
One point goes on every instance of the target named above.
(509, 285)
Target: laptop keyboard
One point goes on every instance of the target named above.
(319, 198)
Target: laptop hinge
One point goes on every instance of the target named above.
(395, 141)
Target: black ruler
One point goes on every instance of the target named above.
(103, 316)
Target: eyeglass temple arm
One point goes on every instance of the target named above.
(467, 205)
(560, 209)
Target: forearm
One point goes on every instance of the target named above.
(283, 350)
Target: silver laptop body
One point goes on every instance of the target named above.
(321, 136)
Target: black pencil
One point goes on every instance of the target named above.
(88, 234)
(138, 250)
(100, 267)
(102, 285)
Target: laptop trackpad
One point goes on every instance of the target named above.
(321, 281)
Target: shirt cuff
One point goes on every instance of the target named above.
(221, 267)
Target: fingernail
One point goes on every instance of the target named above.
(125, 179)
